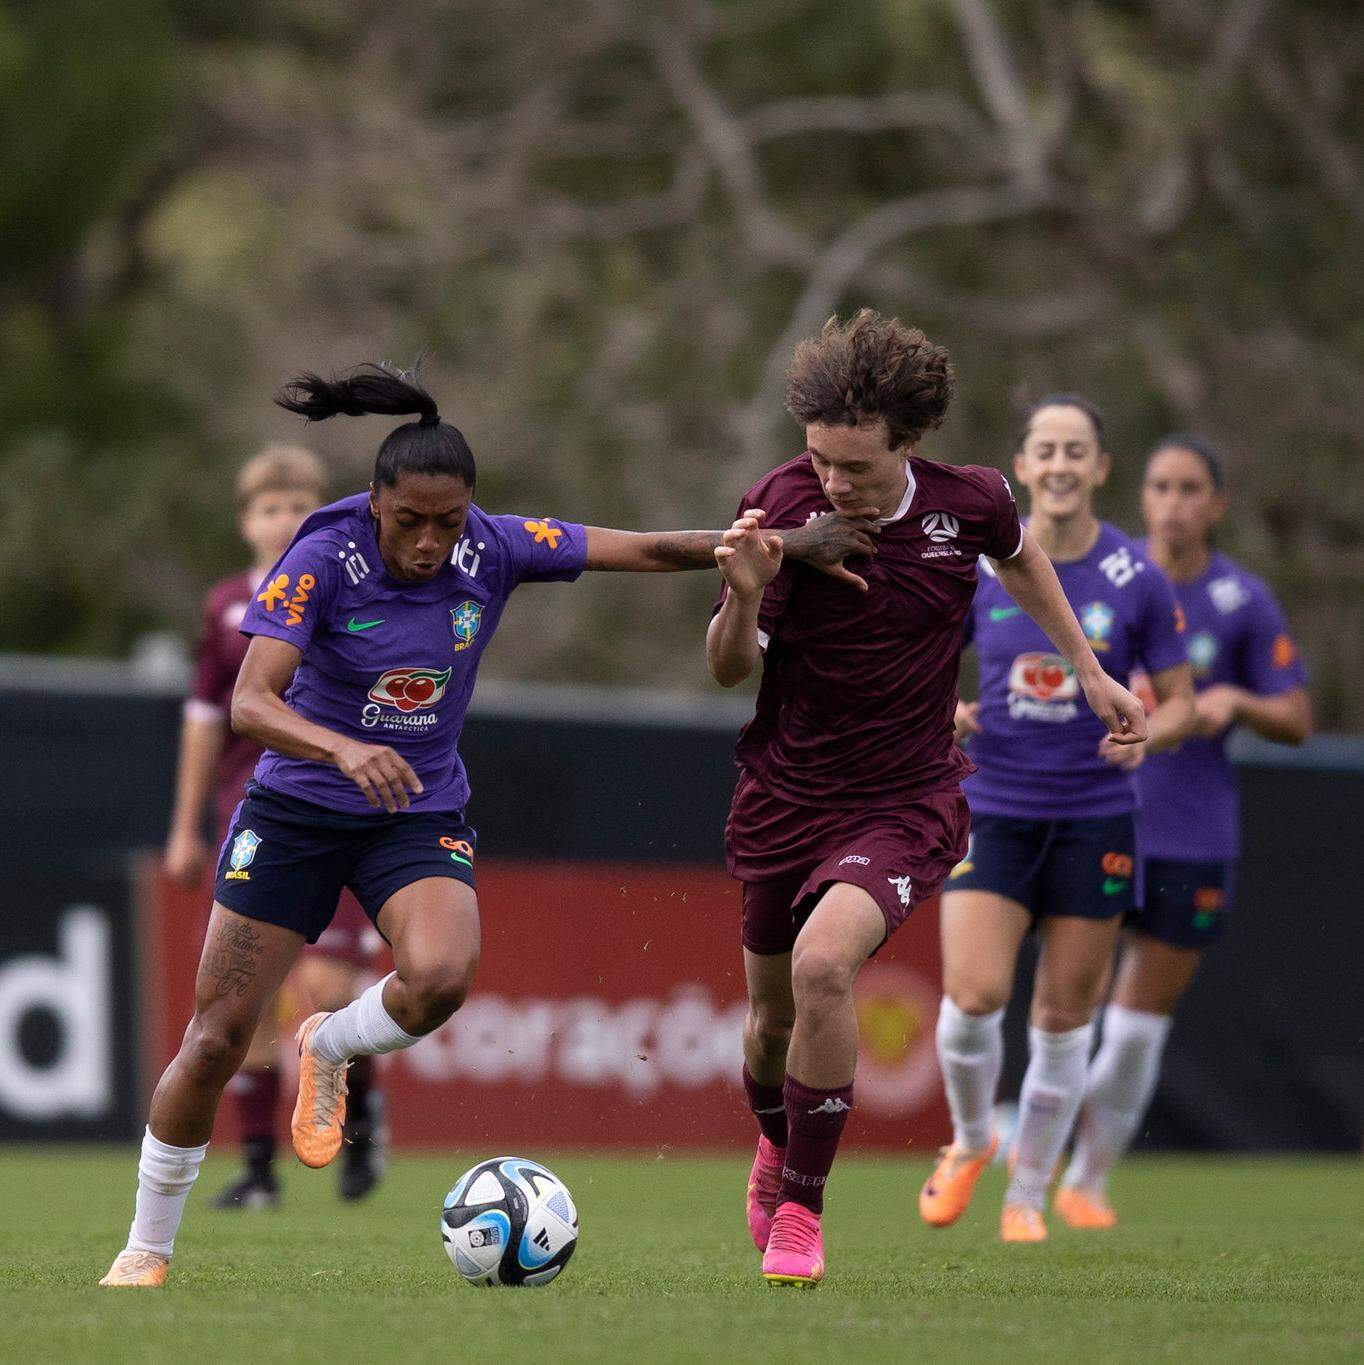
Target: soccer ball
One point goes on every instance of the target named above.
(509, 1221)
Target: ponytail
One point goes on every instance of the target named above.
(426, 446)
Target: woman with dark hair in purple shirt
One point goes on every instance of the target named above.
(1247, 671)
(1052, 842)
(366, 638)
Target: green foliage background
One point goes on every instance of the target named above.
(610, 218)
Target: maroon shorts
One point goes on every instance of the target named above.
(788, 855)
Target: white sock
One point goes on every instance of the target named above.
(1053, 1087)
(970, 1053)
(1122, 1079)
(362, 1029)
(165, 1176)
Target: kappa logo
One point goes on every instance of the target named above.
(940, 527)
(832, 1105)
(244, 848)
(904, 888)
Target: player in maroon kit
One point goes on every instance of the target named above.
(275, 491)
(848, 811)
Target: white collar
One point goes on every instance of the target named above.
(903, 509)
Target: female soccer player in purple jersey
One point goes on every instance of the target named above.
(366, 638)
(848, 811)
(1052, 831)
(1246, 672)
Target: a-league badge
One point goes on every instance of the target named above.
(244, 848)
(465, 620)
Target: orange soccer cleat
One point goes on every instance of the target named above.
(1079, 1208)
(1021, 1223)
(137, 1270)
(321, 1107)
(947, 1192)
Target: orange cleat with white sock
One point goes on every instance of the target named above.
(321, 1107)
(1021, 1223)
(1079, 1208)
(794, 1258)
(947, 1192)
(137, 1270)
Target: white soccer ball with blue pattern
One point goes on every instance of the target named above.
(509, 1221)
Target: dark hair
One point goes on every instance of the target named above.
(867, 368)
(1064, 400)
(1205, 450)
(427, 446)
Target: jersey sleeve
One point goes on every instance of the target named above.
(1270, 660)
(1160, 626)
(541, 549)
(297, 595)
(1006, 538)
(214, 674)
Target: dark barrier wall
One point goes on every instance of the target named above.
(1267, 1053)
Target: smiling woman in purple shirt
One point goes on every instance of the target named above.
(1247, 671)
(365, 641)
(1052, 842)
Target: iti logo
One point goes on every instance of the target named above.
(410, 688)
(1096, 620)
(940, 527)
(465, 620)
(1044, 677)
(244, 848)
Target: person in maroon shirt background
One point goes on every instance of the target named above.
(276, 490)
(848, 812)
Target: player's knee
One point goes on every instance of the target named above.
(214, 1047)
(1060, 1016)
(441, 988)
(820, 975)
(770, 1028)
(977, 997)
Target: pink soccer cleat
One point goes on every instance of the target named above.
(764, 1184)
(795, 1250)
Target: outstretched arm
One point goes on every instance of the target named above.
(1031, 581)
(824, 543)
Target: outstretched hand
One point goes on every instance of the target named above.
(1119, 710)
(824, 542)
(747, 557)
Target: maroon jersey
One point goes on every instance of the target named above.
(221, 651)
(859, 689)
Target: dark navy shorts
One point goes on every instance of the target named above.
(285, 861)
(1052, 867)
(1182, 904)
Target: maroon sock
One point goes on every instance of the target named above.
(257, 1096)
(816, 1119)
(768, 1104)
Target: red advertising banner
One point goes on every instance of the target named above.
(608, 1011)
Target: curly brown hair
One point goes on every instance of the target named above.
(870, 368)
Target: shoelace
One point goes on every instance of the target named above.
(135, 1262)
(795, 1234)
(331, 1088)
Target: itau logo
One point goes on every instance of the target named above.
(406, 689)
(940, 527)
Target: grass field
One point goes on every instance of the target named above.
(1215, 1260)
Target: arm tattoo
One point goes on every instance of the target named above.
(687, 549)
(233, 958)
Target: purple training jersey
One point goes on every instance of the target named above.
(389, 661)
(1038, 751)
(1188, 807)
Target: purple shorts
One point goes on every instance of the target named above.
(788, 855)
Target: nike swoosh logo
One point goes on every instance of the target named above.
(1112, 885)
(354, 626)
(1003, 613)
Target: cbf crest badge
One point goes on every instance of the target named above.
(244, 848)
(1096, 620)
(465, 620)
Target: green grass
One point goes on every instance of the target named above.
(1215, 1260)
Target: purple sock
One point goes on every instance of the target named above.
(816, 1119)
(768, 1104)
